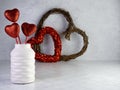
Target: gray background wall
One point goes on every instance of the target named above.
(100, 19)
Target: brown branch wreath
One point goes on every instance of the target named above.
(70, 29)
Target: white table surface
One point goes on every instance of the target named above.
(72, 75)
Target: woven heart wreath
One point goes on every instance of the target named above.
(38, 38)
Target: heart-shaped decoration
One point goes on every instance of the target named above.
(39, 39)
(12, 30)
(70, 29)
(12, 15)
(28, 29)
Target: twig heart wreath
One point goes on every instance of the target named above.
(70, 29)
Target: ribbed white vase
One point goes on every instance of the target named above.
(22, 64)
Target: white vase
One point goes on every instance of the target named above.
(22, 64)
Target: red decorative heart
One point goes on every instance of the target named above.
(12, 15)
(57, 44)
(12, 30)
(28, 29)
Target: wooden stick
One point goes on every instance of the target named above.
(16, 40)
(19, 39)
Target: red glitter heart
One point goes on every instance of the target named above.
(12, 30)
(12, 15)
(28, 29)
(57, 44)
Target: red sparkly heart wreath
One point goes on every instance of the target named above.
(39, 39)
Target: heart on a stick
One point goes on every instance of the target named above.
(12, 15)
(28, 29)
(13, 30)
